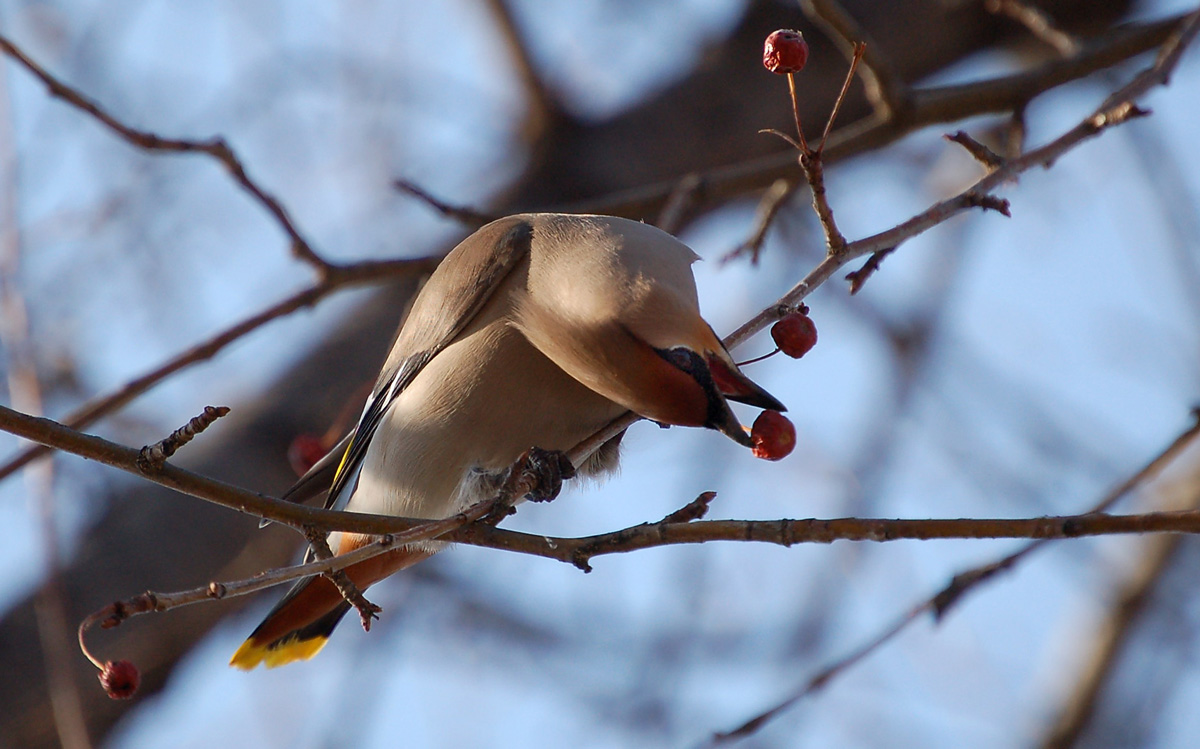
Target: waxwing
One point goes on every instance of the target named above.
(535, 331)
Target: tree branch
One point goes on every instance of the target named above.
(940, 603)
(886, 90)
(372, 271)
(785, 532)
(215, 147)
(1038, 23)
(930, 106)
(1115, 110)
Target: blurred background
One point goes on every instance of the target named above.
(993, 367)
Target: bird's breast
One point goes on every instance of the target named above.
(476, 407)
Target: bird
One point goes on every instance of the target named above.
(536, 331)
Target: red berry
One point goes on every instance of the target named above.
(304, 452)
(785, 51)
(774, 436)
(795, 334)
(120, 679)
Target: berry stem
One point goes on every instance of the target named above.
(83, 627)
(758, 358)
(796, 112)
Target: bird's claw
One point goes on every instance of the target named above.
(538, 474)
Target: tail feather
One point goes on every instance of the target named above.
(298, 645)
(300, 624)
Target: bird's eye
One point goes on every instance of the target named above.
(682, 358)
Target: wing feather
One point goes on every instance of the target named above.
(460, 287)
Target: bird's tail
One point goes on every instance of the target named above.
(300, 624)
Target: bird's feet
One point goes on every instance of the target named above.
(538, 474)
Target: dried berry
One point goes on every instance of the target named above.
(120, 679)
(785, 51)
(774, 436)
(304, 452)
(795, 334)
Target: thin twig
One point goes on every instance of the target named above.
(215, 147)
(372, 271)
(1110, 643)
(694, 510)
(978, 151)
(463, 214)
(546, 107)
(855, 58)
(116, 613)
(859, 277)
(772, 201)
(367, 611)
(936, 105)
(757, 359)
(679, 205)
(940, 603)
(885, 89)
(789, 532)
(25, 392)
(785, 532)
(810, 162)
(152, 457)
(1038, 23)
(814, 172)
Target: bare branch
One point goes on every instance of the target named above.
(859, 277)
(981, 153)
(694, 510)
(768, 207)
(788, 532)
(216, 147)
(545, 104)
(679, 205)
(888, 94)
(367, 611)
(1113, 636)
(117, 612)
(1038, 23)
(25, 392)
(930, 106)
(785, 532)
(814, 172)
(465, 215)
(939, 604)
(1116, 109)
(855, 58)
(342, 276)
(152, 457)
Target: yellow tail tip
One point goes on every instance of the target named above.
(252, 653)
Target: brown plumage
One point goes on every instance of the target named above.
(535, 331)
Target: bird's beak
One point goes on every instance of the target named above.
(721, 381)
(731, 384)
(736, 386)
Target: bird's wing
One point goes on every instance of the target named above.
(460, 287)
(316, 480)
